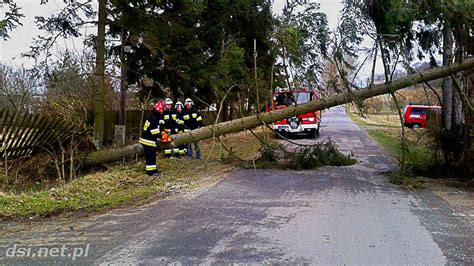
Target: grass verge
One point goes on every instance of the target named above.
(419, 158)
(125, 184)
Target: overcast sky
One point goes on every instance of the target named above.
(22, 37)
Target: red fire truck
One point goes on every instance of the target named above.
(303, 124)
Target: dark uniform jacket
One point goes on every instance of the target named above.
(151, 129)
(169, 118)
(180, 121)
(192, 118)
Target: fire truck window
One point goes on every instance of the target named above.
(418, 111)
(302, 97)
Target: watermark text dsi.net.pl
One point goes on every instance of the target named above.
(63, 251)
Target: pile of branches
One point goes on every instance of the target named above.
(305, 157)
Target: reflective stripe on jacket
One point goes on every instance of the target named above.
(192, 118)
(151, 129)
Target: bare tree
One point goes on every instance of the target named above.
(69, 88)
(18, 86)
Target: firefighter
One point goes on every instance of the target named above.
(192, 120)
(179, 109)
(170, 125)
(150, 135)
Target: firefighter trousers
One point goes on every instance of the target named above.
(150, 159)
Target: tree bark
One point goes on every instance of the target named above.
(99, 103)
(231, 111)
(105, 156)
(123, 79)
(455, 136)
(225, 112)
(470, 89)
(447, 85)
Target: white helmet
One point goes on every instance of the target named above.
(168, 101)
(189, 101)
(178, 104)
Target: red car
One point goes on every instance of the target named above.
(414, 116)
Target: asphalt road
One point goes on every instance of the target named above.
(331, 215)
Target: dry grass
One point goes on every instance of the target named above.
(389, 124)
(386, 130)
(127, 184)
(380, 120)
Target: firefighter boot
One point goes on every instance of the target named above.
(156, 173)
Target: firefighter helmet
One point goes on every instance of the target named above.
(168, 101)
(189, 101)
(178, 104)
(159, 106)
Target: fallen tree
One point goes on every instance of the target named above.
(105, 156)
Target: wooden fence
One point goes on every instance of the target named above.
(22, 134)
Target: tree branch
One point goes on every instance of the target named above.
(237, 125)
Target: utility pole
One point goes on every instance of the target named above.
(271, 86)
(120, 127)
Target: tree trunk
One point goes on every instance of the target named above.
(447, 85)
(225, 112)
(123, 80)
(455, 139)
(248, 122)
(257, 93)
(470, 117)
(99, 103)
(285, 67)
(231, 111)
